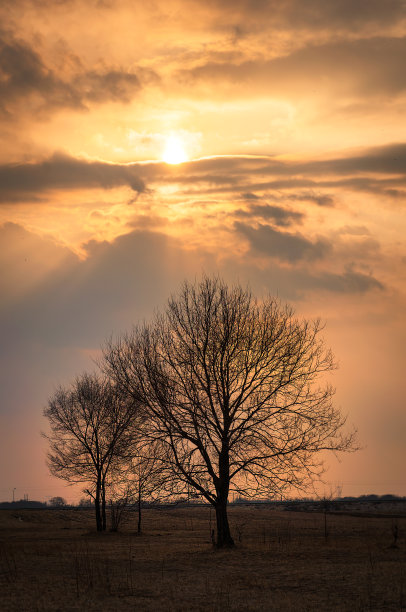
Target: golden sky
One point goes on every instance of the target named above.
(290, 117)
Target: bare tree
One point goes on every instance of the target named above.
(144, 479)
(120, 504)
(327, 503)
(91, 426)
(149, 477)
(231, 385)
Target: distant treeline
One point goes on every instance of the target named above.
(386, 497)
(183, 502)
(300, 500)
(22, 503)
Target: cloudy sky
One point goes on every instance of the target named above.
(290, 119)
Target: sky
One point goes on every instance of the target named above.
(288, 118)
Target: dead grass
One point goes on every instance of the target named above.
(52, 560)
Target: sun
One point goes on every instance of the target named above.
(174, 152)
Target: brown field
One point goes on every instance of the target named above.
(53, 560)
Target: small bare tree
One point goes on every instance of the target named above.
(231, 386)
(91, 426)
(143, 479)
(327, 503)
(148, 478)
(120, 503)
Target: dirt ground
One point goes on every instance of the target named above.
(53, 560)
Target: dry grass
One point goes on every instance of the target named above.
(52, 560)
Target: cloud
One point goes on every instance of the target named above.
(371, 66)
(282, 245)
(24, 76)
(64, 172)
(26, 260)
(280, 216)
(317, 198)
(388, 159)
(306, 196)
(350, 281)
(53, 298)
(79, 302)
(376, 170)
(346, 13)
(250, 196)
(349, 15)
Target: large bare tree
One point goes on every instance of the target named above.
(232, 387)
(91, 435)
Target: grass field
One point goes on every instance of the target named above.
(53, 560)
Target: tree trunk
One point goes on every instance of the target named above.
(104, 520)
(99, 524)
(224, 539)
(139, 511)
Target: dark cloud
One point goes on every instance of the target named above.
(25, 76)
(372, 66)
(64, 172)
(320, 199)
(280, 216)
(350, 281)
(348, 15)
(378, 170)
(271, 189)
(388, 159)
(396, 193)
(282, 245)
(374, 170)
(111, 85)
(317, 198)
(250, 196)
(254, 14)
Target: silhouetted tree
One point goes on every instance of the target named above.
(148, 478)
(91, 426)
(120, 503)
(327, 504)
(57, 502)
(143, 479)
(231, 388)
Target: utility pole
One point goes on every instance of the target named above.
(13, 493)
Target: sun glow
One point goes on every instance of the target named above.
(174, 152)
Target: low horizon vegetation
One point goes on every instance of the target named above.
(88, 503)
